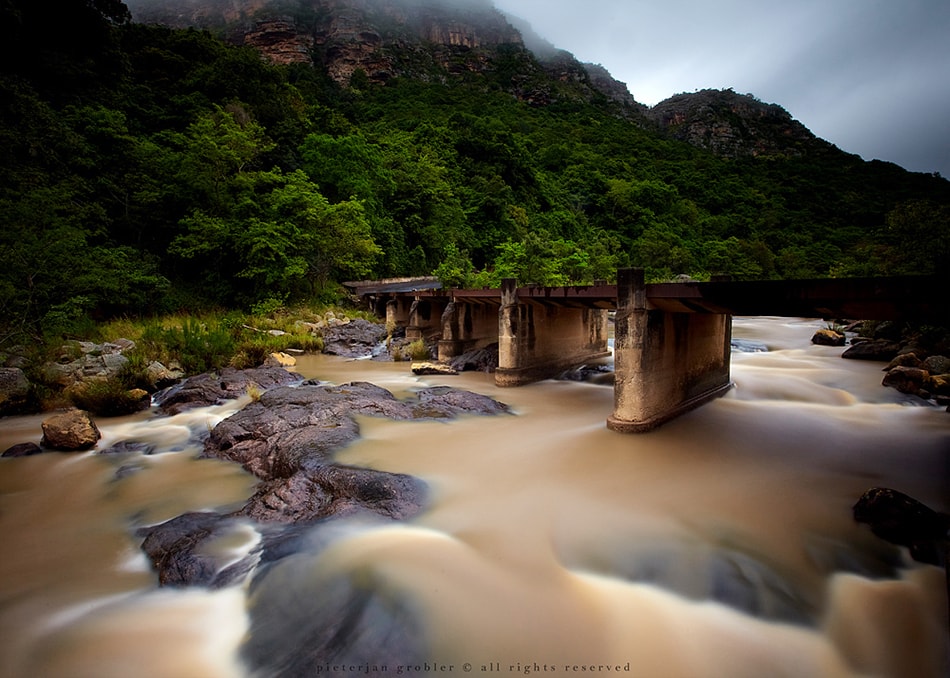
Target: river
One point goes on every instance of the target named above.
(720, 545)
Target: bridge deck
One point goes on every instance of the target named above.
(907, 297)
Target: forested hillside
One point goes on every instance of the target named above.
(147, 169)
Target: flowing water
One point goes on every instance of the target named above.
(721, 544)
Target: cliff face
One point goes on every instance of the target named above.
(733, 125)
(423, 39)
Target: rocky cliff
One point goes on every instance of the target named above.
(733, 125)
(425, 39)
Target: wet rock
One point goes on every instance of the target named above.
(435, 369)
(335, 490)
(22, 450)
(904, 360)
(900, 519)
(360, 622)
(70, 431)
(288, 436)
(178, 551)
(215, 387)
(939, 386)
(14, 390)
(356, 339)
(480, 360)
(827, 337)
(442, 402)
(280, 359)
(875, 349)
(937, 364)
(906, 379)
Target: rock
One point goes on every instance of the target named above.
(939, 386)
(902, 520)
(70, 431)
(356, 339)
(335, 490)
(23, 450)
(481, 360)
(828, 338)
(14, 390)
(427, 368)
(904, 360)
(160, 376)
(937, 364)
(175, 550)
(215, 387)
(906, 379)
(280, 359)
(288, 436)
(875, 349)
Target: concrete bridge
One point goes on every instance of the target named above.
(672, 341)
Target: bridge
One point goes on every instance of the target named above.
(672, 341)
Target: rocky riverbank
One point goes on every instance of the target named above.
(917, 361)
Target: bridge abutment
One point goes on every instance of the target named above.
(665, 363)
(538, 341)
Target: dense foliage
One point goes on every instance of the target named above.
(149, 170)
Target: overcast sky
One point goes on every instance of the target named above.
(870, 76)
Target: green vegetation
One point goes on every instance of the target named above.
(146, 171)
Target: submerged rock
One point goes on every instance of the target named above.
(22, 450)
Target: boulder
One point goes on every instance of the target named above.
(875, 349)
(939, 386)
(827, 337)
(70, 431)
(904, 360)
(287, 439)
(902, 520)
(936, 364)
(356, 339)
(906, 379)
(427, 368)
(161, 377)
(14, 390)
(480, 360)
(22, 450)
(212, 388)
(280, 359)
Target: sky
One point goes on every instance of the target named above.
(870, 76)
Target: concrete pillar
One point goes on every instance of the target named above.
(538, 341)
(665, 363)
(467, 327)
(425, 318)
(397, 312)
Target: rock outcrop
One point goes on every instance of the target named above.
(733, 125)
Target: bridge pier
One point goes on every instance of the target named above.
(537, 341)
(397, 312)
(425, 318)
(467, 327)
(665, 363)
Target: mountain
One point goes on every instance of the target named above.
(434, 40)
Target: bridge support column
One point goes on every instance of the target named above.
(537, 341)
(425, 318)
(665, 363)
(467, 327)
(397, 312)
